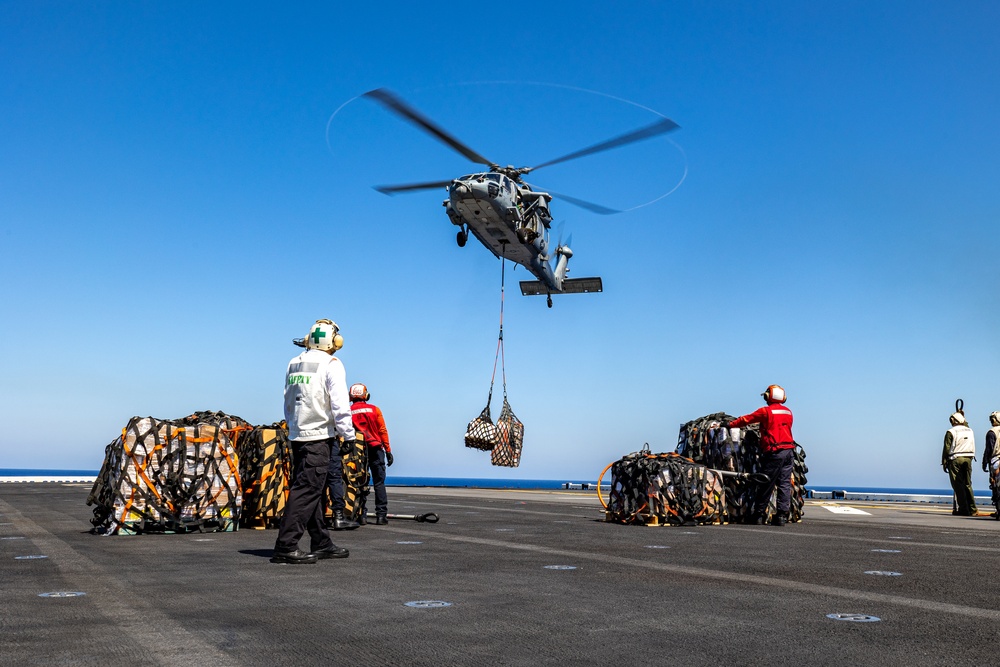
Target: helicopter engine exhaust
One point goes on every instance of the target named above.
(562, 264)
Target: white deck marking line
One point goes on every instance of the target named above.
(166, 642)
(843, 509)
(737, 577)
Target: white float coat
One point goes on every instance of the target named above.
(316, 401)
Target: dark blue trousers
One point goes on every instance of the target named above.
(304, 507)
(335, 477)
(376, 464)
(778, 468)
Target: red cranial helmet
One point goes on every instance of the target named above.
(774, 394)
(359, 392)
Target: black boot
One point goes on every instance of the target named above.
(381, 520)
(296, 557)
(779, 520)
(341, 523)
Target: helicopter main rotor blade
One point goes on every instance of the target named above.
(389, 100)
(661, 126)
(410, 187)
(590, 206)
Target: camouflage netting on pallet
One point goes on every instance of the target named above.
(265, 468)
(664, 489)
(170, 476)
(706, 441)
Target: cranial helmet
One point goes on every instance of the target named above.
(774, 394)
(324, 336)
(957, 419)
(359, 392)
(995, 418)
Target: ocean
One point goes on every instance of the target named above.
(495, 483)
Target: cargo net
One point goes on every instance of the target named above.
(664, 489)
(266, 470)
(505, 438)
(736, 454)
(170, 476)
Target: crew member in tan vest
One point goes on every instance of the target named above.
(956, 458)
(991, 459)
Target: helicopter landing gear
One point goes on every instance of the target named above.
(462, 237)
(549, 300)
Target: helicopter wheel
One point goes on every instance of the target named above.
(549, 300)
(462, 237)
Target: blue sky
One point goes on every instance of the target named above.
(178, 200)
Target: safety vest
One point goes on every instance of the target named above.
(316, 403)
(994, 462)
(963, 442)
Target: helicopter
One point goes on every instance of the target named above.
(505, 213)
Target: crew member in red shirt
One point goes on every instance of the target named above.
(778, 454)
(368, 419)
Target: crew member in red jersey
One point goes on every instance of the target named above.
(368, 419)
(778, 453)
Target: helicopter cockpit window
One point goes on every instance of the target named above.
(493, 177)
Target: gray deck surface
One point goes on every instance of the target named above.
(707, 595)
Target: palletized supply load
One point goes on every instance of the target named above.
(265, 468)
(712, 478)
(663, 489)
(206, 472)
(707, 441)
(170, 476)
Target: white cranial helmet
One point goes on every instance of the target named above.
(957, 418)
(995, 418)
(324, 336)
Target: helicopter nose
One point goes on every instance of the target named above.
(460, 189)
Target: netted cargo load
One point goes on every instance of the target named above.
(168, 476)
(481, 432)
(504, 439)
(708, 441)
(510, 439)
(266, 470)
(663, 489)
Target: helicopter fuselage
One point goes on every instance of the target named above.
(511, 220)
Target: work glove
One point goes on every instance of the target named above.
(347, 446)
(388, 458)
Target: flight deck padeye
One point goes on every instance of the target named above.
(508, 215)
